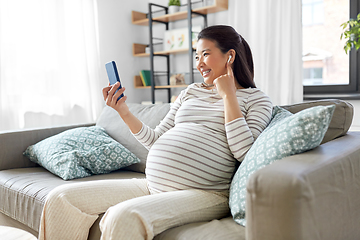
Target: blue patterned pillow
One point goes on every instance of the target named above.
(287, 134)
(80, 152)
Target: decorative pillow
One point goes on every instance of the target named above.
(287, 134)
(80, 152)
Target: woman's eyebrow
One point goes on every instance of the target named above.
(207, 49)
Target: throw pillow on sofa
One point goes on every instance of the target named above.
(287, 134)
(80, 152)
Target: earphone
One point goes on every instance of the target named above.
(229, 58)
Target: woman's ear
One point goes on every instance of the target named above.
(231, 57)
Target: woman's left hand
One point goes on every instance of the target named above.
(225, 84)
(226, 87)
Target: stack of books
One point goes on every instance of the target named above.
(145, 76)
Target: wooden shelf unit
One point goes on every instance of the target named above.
(139, 50)
(139, 18)
(138, 84)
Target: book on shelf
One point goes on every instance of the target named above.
(145, 76)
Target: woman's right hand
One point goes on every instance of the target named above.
(110, 97)
(120, 106)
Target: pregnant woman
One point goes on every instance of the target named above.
(192, 153)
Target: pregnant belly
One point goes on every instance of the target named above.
(188, 157)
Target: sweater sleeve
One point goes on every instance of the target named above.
(242, 132)
(147, 136)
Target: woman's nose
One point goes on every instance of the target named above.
(199, 62)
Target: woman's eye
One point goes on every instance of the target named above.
(205, 54)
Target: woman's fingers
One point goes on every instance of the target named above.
(121, 100)
(230, 71)
(112, 98)
(110, 94)
(105, 92)
(118, 94)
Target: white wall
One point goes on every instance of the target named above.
(116, 36)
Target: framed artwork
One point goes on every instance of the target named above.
(177, 39)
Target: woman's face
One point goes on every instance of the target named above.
(210, 61)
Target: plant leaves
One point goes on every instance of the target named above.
(351, 34)
(357, 45)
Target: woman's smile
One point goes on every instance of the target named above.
(206, 73)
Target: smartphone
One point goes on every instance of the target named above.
(113, 75)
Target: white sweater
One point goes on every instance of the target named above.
(193, 148)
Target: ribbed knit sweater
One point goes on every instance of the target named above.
(193, 148)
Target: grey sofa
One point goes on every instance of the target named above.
(313, 195)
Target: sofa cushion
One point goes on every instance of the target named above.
(23, 191)
(340, 122)
(225, 229)
(287, 134)
(80, 152)
(151, 115)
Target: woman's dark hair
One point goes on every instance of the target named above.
(227, 38)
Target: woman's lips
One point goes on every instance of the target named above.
(206, 72)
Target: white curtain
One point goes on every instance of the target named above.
(273, 29)
(49, 63)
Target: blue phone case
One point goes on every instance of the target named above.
(113, 75)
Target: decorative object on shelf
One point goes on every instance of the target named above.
(177, 79)
(145, 76)
(352, 34)
(174, 6)
(178, 39)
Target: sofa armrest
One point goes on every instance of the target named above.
(14, 143)
(313, 195)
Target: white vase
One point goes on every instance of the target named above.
(173, 9)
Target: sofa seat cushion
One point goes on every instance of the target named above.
(23, 191)
(224, 228)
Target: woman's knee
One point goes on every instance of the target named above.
(65, 196)
(58, 193)
(123, 219)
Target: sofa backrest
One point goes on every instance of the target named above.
(340, 122)
(151, 115)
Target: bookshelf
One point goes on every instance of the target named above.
(147, 19)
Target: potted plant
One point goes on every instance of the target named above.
(174, 6)
(351, 34)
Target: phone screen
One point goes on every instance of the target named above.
(113, 75)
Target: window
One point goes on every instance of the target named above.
(313, 76)
(313, 12)
(328, 71)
